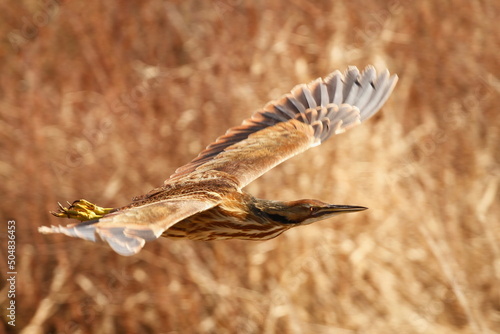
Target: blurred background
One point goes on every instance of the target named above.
(103, 100)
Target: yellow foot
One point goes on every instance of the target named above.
(82, 210)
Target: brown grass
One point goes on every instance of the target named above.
(103, 100)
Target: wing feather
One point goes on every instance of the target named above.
(262, 150)
(335, 86)
(127, 231)
(306, 117)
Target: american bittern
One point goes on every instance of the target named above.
(203, 200)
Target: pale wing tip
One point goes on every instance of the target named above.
(86, 232)
(387, 84)
(124, 241)
(374, 90)
(121, 243)
(46, 230)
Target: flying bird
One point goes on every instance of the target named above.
(204, 200)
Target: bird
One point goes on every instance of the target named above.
(203, 200)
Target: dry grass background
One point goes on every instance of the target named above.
(103, 100)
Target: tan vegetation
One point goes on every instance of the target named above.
(103, 100)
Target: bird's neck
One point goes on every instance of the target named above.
(245, 206)
(276, 211)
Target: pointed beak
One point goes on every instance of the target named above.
(327, 211)
(344, 208)
(338, 209)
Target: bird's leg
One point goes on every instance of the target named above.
(82, 210)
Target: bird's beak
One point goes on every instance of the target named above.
(344, 208)
(338, 209)
(328, 211)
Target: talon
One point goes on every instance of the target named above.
(82, 210)
(57, 214)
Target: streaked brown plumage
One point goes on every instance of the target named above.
(203, 200)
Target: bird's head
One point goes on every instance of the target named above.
(307, 211)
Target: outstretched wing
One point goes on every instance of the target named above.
(127, 231)
(305, 118)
